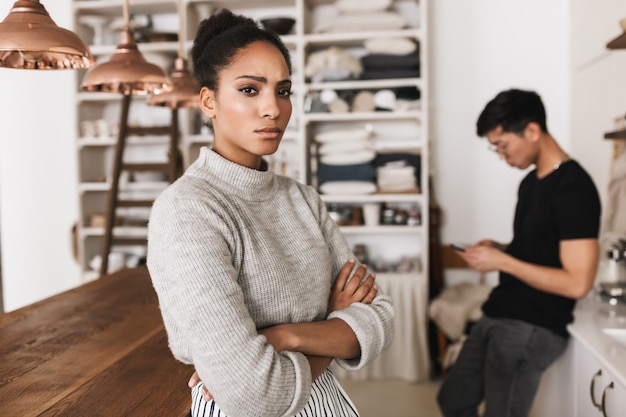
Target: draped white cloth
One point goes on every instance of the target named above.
(407, 358)
(613, 219)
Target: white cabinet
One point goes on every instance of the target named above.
(598, 392)
(351, 106)
(99, 22)
(555, 396)
(578, 384)
(392, 106)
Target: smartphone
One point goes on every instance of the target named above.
(458, 247)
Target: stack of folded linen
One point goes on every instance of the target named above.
(359, 15)
(332, 64)
(397, 172)
(388, 99)
(346, 162)
(390, 58)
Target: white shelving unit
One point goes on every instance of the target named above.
(387, 244)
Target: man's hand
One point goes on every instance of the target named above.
(484, 258)
(342, 295)
(195, 380)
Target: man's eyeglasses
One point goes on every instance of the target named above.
(498, 148)
(503, 141)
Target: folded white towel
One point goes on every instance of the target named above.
(342, 135)
(391, 46)
(396, 186)
(396, 172)
(332, 58)
(371, 21)
(348, 158)
(360, 6)
(348, 187)
(345, 146)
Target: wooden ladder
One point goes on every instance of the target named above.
(173, 167)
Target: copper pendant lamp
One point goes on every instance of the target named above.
(29, 39)
(127, 71)
(185, 89)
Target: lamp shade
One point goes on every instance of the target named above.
(185, 89)
(126, 72)
(29, 39)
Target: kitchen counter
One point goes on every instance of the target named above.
(97, 350)
(591, 317)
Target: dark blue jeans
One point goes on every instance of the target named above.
(501, 362)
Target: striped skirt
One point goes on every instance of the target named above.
(328, 399)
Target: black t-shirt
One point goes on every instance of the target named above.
(563, 205)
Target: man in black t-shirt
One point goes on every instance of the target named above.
(549, 264)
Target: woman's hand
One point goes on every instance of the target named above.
(195, 380)
(356, 290)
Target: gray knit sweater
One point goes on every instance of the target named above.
(232, 250)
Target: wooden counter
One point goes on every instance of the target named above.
(97, 350)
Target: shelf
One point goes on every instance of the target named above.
(200, 139)
(373, 198)
(365, 84)
(357, 38)
(381, 230)
(93, 187)
(618, 134)
(163, 47)
(96, 142)
(96, 97)
(290, 135)
(236, 4)
(390, 145)
(289, 40)
(400, 275)
(90, 275)
(358, 116)
(618, 43)
(121, 231)
(114, 8)
(102, 97)
(130, 186)
(131, 140)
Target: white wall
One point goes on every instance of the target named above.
(478, 48)
(38, 203)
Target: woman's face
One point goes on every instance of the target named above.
(252, 105)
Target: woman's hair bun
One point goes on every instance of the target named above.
(220, 37)
(223, 21)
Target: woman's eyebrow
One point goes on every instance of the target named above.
(264, 80)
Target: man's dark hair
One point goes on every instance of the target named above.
(512, 110)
